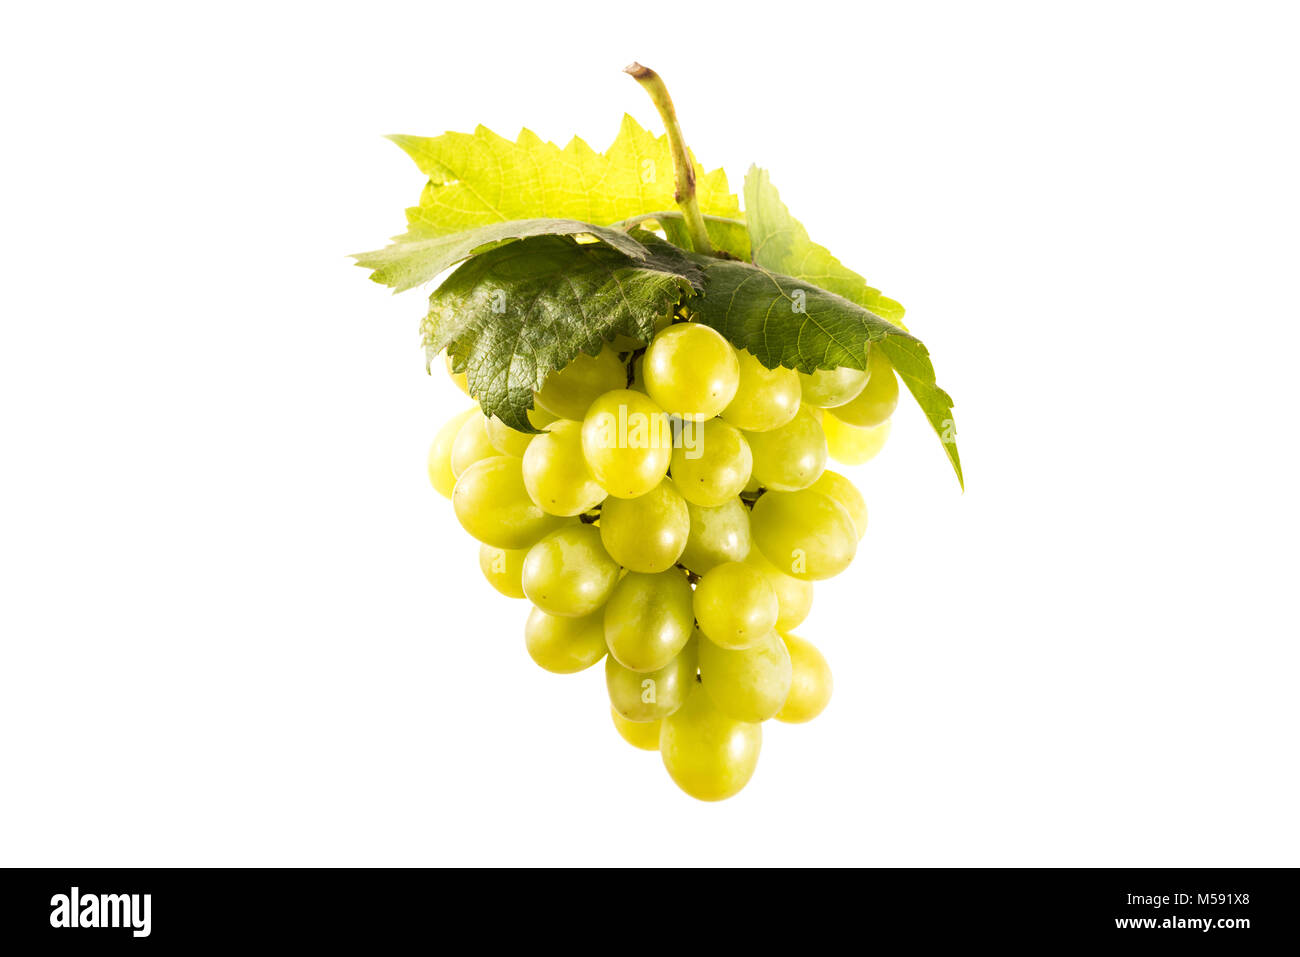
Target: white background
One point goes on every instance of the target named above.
(239, 628)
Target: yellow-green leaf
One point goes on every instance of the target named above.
(781, 243)
(783, 323)
(480, 178)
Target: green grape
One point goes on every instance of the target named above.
(735, 605)
(852, 445)
(712, 463)
(648, 619)
(625, 343)
(556, 474)
(878, 400)
(460, 378)
(568, 392)
(805, 534)
(627, 441)
(750, 684)
(791, 457)
(568, 573)
(793, 596)
(651, 695)
(810, 684)
(638, 377)
(766, 398)
(827, 388)
(646, 533)
(502, 567)
(492, 504)
(719, 534)
(507, 441)
(846, 493)
(471, 445)
(564, 645)
(639, 734)
(709, 754)
(691, 371)
(441, 477)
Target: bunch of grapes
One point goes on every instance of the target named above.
(670, 518)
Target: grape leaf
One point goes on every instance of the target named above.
(762, 310)
(409, 262)
(480, 178)
(727, 235)
(780, 242)
(512, 315)
(786, 321)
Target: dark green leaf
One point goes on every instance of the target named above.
(787, 321)
(511, 316)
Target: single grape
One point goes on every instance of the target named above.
(568, 573)
(794, 596)
(503, 568)
(709, 754)
(827, 388)
(711, 463)
(441, 477)
(651, 695)
(765, 399)
(625, 343)
(810, 684)
(846, 493)
(648, 619)
(750, 684)
(564, 645)
(461, 380)
(878, 400)
(805, 534)
(471, 445)
(638, 376)
(647, 533)
(639, 734)
(852, 445)
(570, 391)
(735, 605)
(556, 474)
(691, 371)
(627, 441)
(506, 440)
(719, 534)
(791, 457)
(492, 504)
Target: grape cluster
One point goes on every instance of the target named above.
(670, 519)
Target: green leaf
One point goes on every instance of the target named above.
(834, 326)
(480, 178)
(780, 242)
(512, 315)
(409, 262)
(787, 321)
(727, 235)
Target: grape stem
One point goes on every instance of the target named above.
(683, 168)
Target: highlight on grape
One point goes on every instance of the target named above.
(659, 382)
